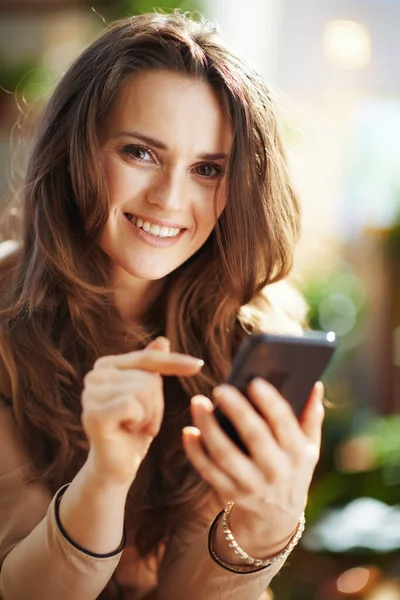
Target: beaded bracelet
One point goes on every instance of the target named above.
(251, 565)
(294, 540)
(238, 569)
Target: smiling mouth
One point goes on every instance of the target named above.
(152, 228)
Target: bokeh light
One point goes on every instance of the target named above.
(347, 44)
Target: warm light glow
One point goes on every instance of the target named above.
(355, 455)
(385, 590)
(353, 581)
(347, 44)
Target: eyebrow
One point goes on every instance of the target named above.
(161, 146)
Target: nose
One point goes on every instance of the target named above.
(168, 190)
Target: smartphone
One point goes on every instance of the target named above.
(291, 363)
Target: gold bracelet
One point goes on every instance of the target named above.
(239, 569)
(256, 562)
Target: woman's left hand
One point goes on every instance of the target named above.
(270, 486)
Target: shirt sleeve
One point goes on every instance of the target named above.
(188, 571)
(37, 561)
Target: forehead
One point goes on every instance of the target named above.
(175, 108)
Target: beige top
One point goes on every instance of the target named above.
(39, 563)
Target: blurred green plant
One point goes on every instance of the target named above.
(361, 458)
(384, 433)
(12, 74)
(124, 8)
(336, 301)
(25, 83)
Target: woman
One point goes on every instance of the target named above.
(157, 208)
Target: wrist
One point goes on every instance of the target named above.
(255, 535)
(240, 560)
(72, 541)
(102, 480)
(91, 511)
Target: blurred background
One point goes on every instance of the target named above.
(334, 66)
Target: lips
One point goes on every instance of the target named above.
(152, 228)
(161, 236)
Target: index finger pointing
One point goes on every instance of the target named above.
(155, 361)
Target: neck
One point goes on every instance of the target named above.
(133, 296)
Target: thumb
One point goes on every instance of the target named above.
(160, 343)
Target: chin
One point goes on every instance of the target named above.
(149, 272)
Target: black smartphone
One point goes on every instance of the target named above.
(291, 363)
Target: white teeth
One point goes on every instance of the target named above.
(154, 229)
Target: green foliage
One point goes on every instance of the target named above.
(385, 435)
(124, 8)
(12, 74)
(332, 297)
(379, 478)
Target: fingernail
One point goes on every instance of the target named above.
(261, 385)
(204, 403)
(190, 430)
(192, 360)
(320, 390)
(220, 391)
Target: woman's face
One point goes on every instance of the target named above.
(164, 148)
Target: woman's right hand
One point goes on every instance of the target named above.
(123, 407)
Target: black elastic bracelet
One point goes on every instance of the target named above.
(60, 494)
(238, 569)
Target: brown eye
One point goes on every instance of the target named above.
(209, 170)
(138, 152)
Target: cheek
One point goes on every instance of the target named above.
(123, 182)
(114, 180)
(206, 220)
(222, 197)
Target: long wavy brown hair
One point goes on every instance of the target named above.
(55, 298)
